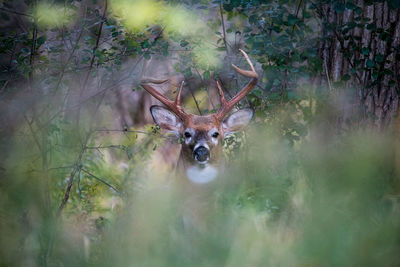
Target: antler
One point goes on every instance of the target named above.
(174, 106)
(228, 105)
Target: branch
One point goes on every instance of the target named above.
(32, 55)
(35, 138)
(223, 28)
(70, 182)
(100, 180)
(15, 12)
(98, 147)
(77, 167)
(208, 89)
(95, 47)
(195, 101)
(61, 167)
(285, 82)
(125, 131)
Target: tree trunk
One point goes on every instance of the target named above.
(360, 50)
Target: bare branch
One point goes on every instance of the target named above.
(122, 130)
(15, 12)
(100, 180)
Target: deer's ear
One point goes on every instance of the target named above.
(237, 121)
(166, 119)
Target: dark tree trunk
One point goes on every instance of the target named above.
(360, 50)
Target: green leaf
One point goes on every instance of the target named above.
(394, 3)
(206, 75)
(379, 58)
(350, 5)
(339, 7)
(365, 51)
(292, 19)
(371, 26)
(184, 43)
(388, 72)
(346, 77)
(41, 40)
(370, 63)
(147, 56)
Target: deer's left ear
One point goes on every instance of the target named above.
(237, 121)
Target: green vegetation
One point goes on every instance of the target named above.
(314, 180)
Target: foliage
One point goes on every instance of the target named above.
(77, 188)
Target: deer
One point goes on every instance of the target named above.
(200, 157)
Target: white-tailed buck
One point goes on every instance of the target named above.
(200, 157)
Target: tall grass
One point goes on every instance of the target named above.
(330, 203)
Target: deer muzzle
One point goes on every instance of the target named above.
(201, 154)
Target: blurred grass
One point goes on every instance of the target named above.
(276, 205)
(286, 199)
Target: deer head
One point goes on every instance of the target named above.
(202, 135)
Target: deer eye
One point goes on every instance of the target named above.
(215, 135)
(188, 135)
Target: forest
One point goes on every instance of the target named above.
(88, 173)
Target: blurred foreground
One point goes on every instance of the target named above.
(330, 203)
(86, 179)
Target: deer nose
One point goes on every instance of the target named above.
(201, 154)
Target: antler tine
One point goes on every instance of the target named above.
(154, 81)
(178, 96)
(228, 105)
(221, 94)
(174, 106)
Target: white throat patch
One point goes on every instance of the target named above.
(201, 175)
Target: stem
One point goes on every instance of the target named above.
(100, 180)
(95, 47)
(15, 12)
(284, 84)
(77, 167)
(125, 131)
(33, 48)
(208, 89)
(91, 64)
(223, 28)
(195, 101)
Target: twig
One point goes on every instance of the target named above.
(110, 146)
(61, 167)
(223, 28)
(15, 12)
(4, 86)
(195, 101)
(35, 138)
(284, 84)
(125, 131)
(77, 167)
(70, 182)
(348, 59)
(100, 180)
(74, 48)
(208, 89)
(95, 47)
(32, 55)
(327, 76)
(83, 88)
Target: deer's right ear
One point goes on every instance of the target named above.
(166, 119)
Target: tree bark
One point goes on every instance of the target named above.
(365, 53)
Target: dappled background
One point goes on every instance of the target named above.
(86, 178)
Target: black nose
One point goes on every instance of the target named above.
(201, 154)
